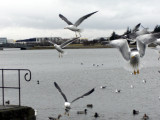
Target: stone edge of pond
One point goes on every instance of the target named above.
(15, 112)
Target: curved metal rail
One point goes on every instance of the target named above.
(27, 77)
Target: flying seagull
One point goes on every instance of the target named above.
(68, 104)
(73, 27)
(60, 47)
(133, 55)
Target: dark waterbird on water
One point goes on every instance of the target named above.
(7, 102)
(68, 104)
(73, 27)
(135, 112)
(52, 118)
(89, 105)
(96, 115)
(82, 112)
(37, 81)
(145, 117)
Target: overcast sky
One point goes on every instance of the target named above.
(21, 19)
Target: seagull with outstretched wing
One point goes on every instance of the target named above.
(59, 48)
(74, 27)
(133, 55)
(68, 104)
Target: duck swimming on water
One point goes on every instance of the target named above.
(82, 112)
(52, 118)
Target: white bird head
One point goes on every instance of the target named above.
(67, 104)
(66, 27)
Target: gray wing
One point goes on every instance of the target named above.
(123, 47)
(133, 35)
(68, 42)
(80, 20)
(59, 89)
(51, 42)
(142, 32)
(136, 28)
(141, 48)
(144, 40)
(65, 19)
(88, 93)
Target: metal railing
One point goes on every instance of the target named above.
(27, 73)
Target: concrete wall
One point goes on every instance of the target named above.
(17, 113)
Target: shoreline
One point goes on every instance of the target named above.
(81, 46)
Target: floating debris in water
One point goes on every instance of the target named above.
(103, 87)
(117, 91)
(144, 81)
(132, 86)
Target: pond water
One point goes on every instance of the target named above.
(79, 71)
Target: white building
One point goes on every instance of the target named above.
(3, 40)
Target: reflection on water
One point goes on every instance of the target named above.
(101, 67)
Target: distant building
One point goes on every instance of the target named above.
(40, 40)
(43, 41)
(3, 40)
